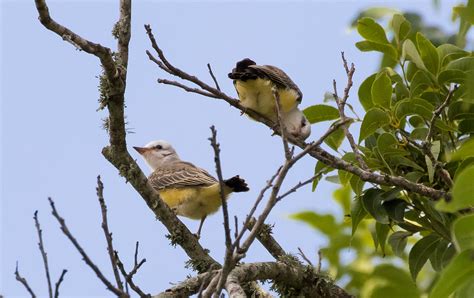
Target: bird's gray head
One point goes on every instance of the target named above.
(297, 124)
(157, 153)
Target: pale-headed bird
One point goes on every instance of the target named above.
(254, 84)
(190, 191)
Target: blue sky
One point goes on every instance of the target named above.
(51, 133)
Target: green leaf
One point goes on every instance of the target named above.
(419, 83)
(463, 232)
(451, 76)
(466, 150)
(429, 168)
(369, 46)
(414, 176)
(465, 64)
(466, 290)
(420, 253)
(372, 201)
(398, 242)
(466, 126)
(381, 231)
(395, 209)
(357, 184)
(319, 113)
(461, 110)
(428, 53)
(343, 196)
(335, 139)
(448, 52)
(365, 94)
(370, 30)
(419, 133)
(357, 214)
(457, 274)
(435, 149)
(409, 51)
(373, 119)
(463, 193)
(324, 223)
(464, 164)
(345, 176)
(403, 161)
(442, 253)
(388, 281)
(388, 146)
(401, 91)
(401, 27)
(382, 90)
(320, 168)
(414, 106)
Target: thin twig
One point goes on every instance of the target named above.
(60, 280)
(24, 282)
(276, 95)
(43, 254)
(305, 257)
(228, 241)
(213, 77)
(103, 53)
(341, 103)
(81, 251)
(135, 257)
(299, 185)
(260, 196)
(438, 112)
(108, 235)
(129, 276)
(186, 88)
(207, 278)
(320, 258)
(317, 152)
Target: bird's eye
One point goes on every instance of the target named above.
(303, 122)
(158, 147)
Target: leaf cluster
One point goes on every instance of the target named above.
(419, 125)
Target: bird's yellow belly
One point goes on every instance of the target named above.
(258, 96)
(193, 202)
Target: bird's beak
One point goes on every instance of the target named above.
(141, 150)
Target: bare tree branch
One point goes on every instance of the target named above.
(58, 283)
(24, 282)
(280, 272)
(305, 257)
(437, 113)
(129, 276)
(81, 251)
(44, 255)
(316, 152)
(228, 241)
(213, 76)
(186, 88)
(108, 235)
(103, 53)
(266, 239)
(117, 153)
(320, 258)
(124, 30)
(286, 148)
(341, 103)
(188, 287)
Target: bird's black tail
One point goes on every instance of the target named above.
(242, 71)
(237, 184)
